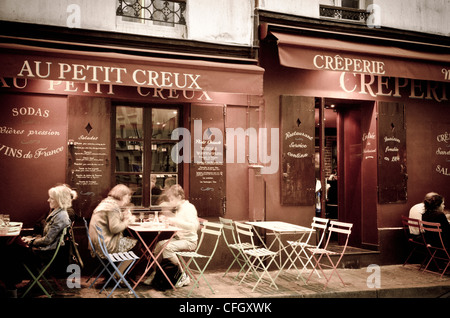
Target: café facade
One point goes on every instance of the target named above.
(245, 141)
(374, 110)
(92, 119)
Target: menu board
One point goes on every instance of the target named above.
(392, 172)
(297, 150)
(89, 151)
(207, 168)
(32, 153)
(442, 149)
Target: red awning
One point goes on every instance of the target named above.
(314, 53)
(20, 61)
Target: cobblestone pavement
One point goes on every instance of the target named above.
(393, 281)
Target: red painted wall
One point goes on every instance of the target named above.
(33, 143)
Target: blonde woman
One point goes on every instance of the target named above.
(60, 199)
(35, 250)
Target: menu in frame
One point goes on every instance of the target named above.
(89, 151)
(207, 170)
(297, 150)
(392, 169)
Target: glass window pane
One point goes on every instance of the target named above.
(129, 122)
(164, 121)
(350, 4)
(162, 158)
(160, 182)
(129, 156)
(134, 182)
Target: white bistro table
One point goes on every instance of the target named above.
(278, 229)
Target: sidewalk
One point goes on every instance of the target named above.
(393, 281)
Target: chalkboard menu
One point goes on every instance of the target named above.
(32, 153)
(297, 150)
(392, 172)
(89, 151)
(207, 168)
(441, 143)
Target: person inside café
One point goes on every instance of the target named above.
(38, 249)
(434, 212)
(179, 212)
(416, 212)
(155, 189)
(113, 217)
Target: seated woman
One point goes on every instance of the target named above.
(37, 250)
(434, 212)
(109, 217)
(60, 201)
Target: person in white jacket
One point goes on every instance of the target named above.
(179, 212)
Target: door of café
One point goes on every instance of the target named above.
(351, 125)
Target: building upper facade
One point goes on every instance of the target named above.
(226, 22)
(429, 16)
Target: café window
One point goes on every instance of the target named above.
(143, 148)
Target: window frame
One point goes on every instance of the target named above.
(147, 141)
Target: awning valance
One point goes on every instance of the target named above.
(21, 61)
(314, 53)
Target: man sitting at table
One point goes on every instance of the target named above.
(179, 212)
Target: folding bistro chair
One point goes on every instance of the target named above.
(319, 225)
(435, 244)
(318, 253)
(115, 260)
(43, 269)
(214, 230)
(103, 264)
(415, 242)
(258, 258)
(229, 236)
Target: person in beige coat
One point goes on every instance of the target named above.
(108, 216)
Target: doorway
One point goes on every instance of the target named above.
(347, 180)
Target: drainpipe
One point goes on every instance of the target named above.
(321, 154)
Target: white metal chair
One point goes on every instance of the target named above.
(319, 225)
(258, 258)
(42, 270)
(229, 236)
(116, 260)
(211, 232)
(318, 253)
(435, 244)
